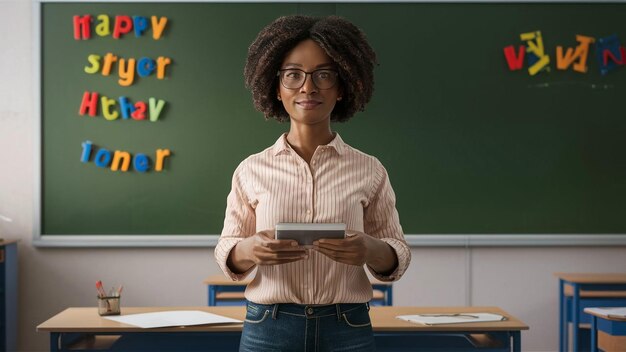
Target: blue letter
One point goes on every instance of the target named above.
(103, 157)
(140, 23)
(86, 151)
(126, 107)
(145, 67)
(142, 163)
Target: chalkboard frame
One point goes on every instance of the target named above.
(210, 240)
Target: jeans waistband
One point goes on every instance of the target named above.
(310, 311)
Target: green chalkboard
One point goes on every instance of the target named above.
(471, 147)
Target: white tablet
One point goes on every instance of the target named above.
(306, 233)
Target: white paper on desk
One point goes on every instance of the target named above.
(616, 312)
(436, 319)
(172, 318)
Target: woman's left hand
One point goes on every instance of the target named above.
(359, 248)
(352, 250)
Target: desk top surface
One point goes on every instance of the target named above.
(5, 242)
(224, 281)
(605, 316)
(593, 278)
(86, 319)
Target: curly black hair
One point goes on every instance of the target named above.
(343, 42)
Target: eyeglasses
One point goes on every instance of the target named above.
(293, 78)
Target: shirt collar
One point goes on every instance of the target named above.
(282, 146)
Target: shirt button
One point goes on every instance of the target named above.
(308, 211)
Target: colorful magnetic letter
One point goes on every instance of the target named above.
(90, 101)
(103, 157)
(155, 108)
(608, 53)
(537, 59)
(141, 163)
(160, 155)
(580, 54)
(141, 24)
(86, 154)
(514, 61)
(123, 25)
(145, 67)
(126, 107)
(94, 60)
(103, 28)
(140, 111)
(158, 25)
(106, 104)
(120, 156)
(161, 63)
(126, 72)
(109, 59)
(82, 27)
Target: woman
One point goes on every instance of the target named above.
(310, 71)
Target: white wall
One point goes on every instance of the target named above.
(518, 280)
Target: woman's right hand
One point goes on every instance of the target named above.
(263, 249)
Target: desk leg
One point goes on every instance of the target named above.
(517, 341)
(563, 318)
(212, 292)
(575, 316)
(594, 333)
(54, 341)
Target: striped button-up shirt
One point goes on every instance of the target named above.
(340, 185)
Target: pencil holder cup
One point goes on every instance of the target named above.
(109, 305)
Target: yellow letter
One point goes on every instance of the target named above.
(106, 103)
(102, 29)
(95, 64)
(160, 155)
(537, 49)
(116, 160)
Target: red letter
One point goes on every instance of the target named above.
(90, 101)
(140, 111)
(606, 54)
(82, 25)
(123, 25)
(515, 62)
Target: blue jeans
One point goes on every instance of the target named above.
(301, 328)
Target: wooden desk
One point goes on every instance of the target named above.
(581, 290)
(607, 333)
(224, 291)
(8, 295)
(83, 328)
